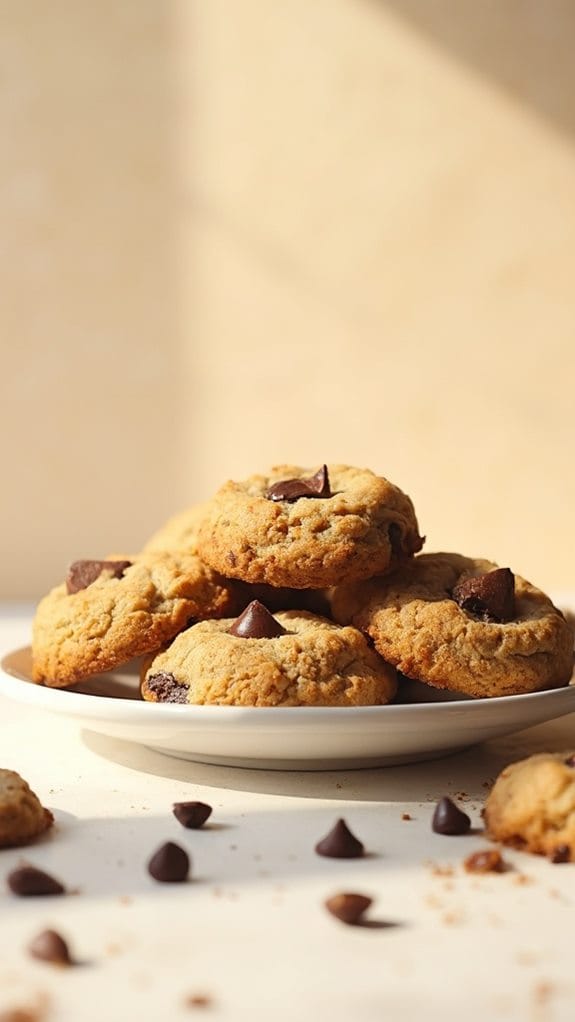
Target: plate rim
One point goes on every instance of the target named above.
(13, 685)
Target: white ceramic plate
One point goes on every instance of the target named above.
(289, 738)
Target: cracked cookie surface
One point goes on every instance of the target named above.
(366, 526)
(416, 625)
(115, 619)
(532, 806)
(317, 663)
(22, 816)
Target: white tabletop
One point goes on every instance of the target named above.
(249, 931)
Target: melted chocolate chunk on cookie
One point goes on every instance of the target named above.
(166, 689)
(256, 622)
(292, 489)
(81, 574)
(489, 597)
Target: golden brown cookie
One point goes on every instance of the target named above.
(532, 806)
(111, 611)
(179, 533)
(416, 623)
(303, 529)
(22, 817)
(297, 659)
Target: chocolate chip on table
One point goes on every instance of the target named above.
(490, 597)
(340, 843)
(191, 814)
(292, 489)
(81, 574)
(449, 819)
(170, 864)
(49, 946)
(489, 861)
(166, 689)
(562, 853)
(29, 882)
(349, 908)
(256, 622)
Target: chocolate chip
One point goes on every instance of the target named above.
(570, 761)
(490, 597)
(562, 853)
(49, 946)
(29, 882)
(340, 843)
(292, 489)
(449, 819)
(256, 622)
(191, 814)
(166, 689)
(489, 861)
(81, 574)
(170, 864)
(349, 908)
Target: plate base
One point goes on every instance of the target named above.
(309, 764)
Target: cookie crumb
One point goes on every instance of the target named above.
(488, 861)
(522, 879)
(542, 992)
(440, 871)
(406, 816)
(198, 1001)
(452, 918)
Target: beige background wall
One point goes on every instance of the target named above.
(235, 233)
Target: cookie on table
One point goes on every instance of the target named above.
(179, 533)
(303, 529)
(532, 806)
(22, 817)
(463, 624)
(292, 658)
(110, 611)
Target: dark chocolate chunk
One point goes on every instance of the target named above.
(349, 908)
(49, 946)
(81, 574)
(29, 882)
(489, 861)
(570, 761)
(292, 489)
(562, 853)
(490, 597)
(256, 622)
(340, 843)
(191, 814)
(166, 689)
(449, 819)
(170, 864)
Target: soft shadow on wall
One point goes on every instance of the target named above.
(523, 46)
(89, 394)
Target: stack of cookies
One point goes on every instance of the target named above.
(301, 588)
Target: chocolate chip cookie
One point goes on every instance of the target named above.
(179, 533)
(463, 624)
(288, 659)
(532, 806)
(22, 817)
(303, 529)
(110, 611)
